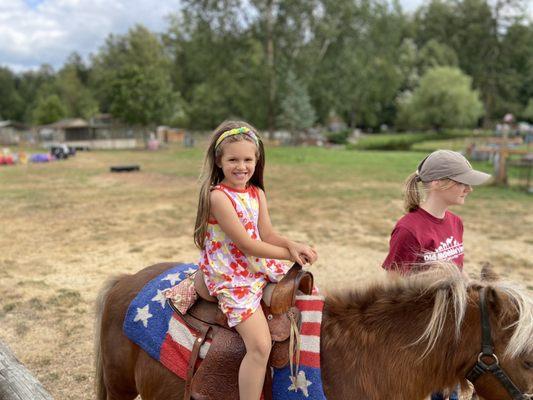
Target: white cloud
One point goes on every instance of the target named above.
(33, 32)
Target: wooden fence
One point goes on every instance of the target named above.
(16, 382)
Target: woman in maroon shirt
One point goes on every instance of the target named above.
(429, 232)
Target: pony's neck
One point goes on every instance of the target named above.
(367, 350)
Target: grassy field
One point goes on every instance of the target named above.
(68, 226)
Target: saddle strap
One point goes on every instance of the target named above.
(267, 385)
(294, 347)
(198, 342)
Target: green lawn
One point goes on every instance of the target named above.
(306, 165)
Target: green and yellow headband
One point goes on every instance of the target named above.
(238, 131)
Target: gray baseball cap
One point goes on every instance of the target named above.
(449, 164)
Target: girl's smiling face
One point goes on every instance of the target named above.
(238, 162)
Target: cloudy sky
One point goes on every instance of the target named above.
(33, 32)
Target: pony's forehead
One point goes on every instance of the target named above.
(520, 302)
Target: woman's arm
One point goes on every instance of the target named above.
(223, 211)
(302, 253)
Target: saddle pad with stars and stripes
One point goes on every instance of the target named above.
(154, 326)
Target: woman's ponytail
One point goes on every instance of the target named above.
(411, 199)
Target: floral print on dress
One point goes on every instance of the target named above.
(237, 280)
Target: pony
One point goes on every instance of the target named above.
(399, 338)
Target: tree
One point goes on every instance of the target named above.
(251, 46)
(227, 81)
(354, 56)
(516, 63)
(477, 30)
(436, 54)
(31, 87)
(297, 113)
(444, 99)
(528, 111)
(76, 96)
(48, 109)
(11, 103)
(284, 25)
(141, 95)
(131, 78)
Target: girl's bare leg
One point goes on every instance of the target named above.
(254, 331)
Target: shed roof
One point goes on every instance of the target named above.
(69, 123)
(14, 124)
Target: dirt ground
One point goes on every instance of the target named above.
(66, 227)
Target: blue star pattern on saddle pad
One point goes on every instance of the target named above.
(153, 325)
(148, 315)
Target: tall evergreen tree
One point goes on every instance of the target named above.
(297, 113)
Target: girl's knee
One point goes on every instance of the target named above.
(260, 349)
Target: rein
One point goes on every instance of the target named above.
(487, 352)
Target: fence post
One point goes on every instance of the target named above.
(16, 382)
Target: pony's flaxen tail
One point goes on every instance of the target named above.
(101, 391)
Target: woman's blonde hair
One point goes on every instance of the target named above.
(412, 196)
(212, 174)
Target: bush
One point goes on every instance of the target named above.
(404, 141)
(401, 141)
(444, 99)
(340, 137)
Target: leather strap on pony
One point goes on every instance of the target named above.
(199, 341)
(487, 352)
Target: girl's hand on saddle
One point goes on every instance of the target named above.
(302, 253)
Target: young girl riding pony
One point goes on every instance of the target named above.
(239, 248)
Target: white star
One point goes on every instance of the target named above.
(300, 382)
(190, 271)
(143, 314)
(160, 297)
(173, 278)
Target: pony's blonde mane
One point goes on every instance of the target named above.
(451, 290)
(521, 341)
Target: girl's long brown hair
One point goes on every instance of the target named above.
(212, 174)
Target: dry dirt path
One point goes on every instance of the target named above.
(68, 226)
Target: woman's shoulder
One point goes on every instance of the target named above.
(410, 217)
(454, 218)
(416, 222)
(451, 214)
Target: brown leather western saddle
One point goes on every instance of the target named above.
(217, 376)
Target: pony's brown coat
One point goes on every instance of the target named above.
(371, 335)
(368, 337)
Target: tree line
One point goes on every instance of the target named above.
(295, 63)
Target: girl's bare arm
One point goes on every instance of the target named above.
(223, 211)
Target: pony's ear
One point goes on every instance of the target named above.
(488, 274)
(496, 300)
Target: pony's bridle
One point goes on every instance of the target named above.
(487, 351)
